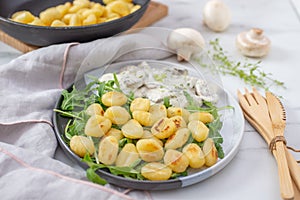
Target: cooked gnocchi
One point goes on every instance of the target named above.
(78, 13)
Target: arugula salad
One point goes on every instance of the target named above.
(143, 123)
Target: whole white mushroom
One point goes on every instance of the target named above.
(216, 15)
(253, 43)
(186, 42)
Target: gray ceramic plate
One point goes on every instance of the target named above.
(232, 132)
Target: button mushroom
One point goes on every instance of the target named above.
(186, 42)
(253, 43)
(216, 15)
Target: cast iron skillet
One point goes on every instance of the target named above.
(45, 36)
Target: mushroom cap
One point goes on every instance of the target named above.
(186, 42)
(216, 15)
(253, 43)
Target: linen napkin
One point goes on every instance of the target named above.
(29, 88)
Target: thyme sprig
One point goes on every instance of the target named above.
(250, 73)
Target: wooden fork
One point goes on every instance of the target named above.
(255, 107)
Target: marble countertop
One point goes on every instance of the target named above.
(252, 174)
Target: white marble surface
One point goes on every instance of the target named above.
(252, 174)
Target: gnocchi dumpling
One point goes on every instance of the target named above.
(204, 117)
(210, 152)
(94, 109)
(108, 150)
(116, 133)
(195, 155)
(199, 130)
(117, 115)
(158, 111)
(148, 135)
(127, 156)
(82, 145)
(179, 121)
(176, 160)
(149, 150)
(49, 15)
(178, 139)
(143, 117)
(174, 111)
(114, 98)
(156, 171)
(132, 129)
(140, 104)
(97, 126)
(163, 128)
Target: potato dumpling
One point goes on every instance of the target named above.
(199, 130)
(97, 126)
(174, 111)
(119, 7)
(135, 8)
(117, 115)
(210, 152)
(114, 98)
(143, 117)
(57, 23)
(132, 129)
(64, 8)
(163, 128)
(75, 20)
(149, 135)
(37, 22)
(94, 109)
(82, 145)
(176, 160)
(127, 156)
(108, 150)
(185, 115)
(179, 121)
(178, 139)
(204, 117)
(195, 155)
(89, 20)
(155, 171)
(116, 133)
(158, 111)
(49, 15)
(149, 150)
(141, 104)
(23, 17)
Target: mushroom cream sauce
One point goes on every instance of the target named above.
(157, 83)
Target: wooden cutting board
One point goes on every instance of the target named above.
(154, 12)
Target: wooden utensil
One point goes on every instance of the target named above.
(254, 105)
(277, 114)
(293, 165)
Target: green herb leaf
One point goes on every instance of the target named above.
(94, 177)
(167, 102)
(250, 73)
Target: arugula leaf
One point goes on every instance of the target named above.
(214, 133)
(192, 104)
(94, 177)
(123, 171)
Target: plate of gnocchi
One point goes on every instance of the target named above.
(147, 124)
